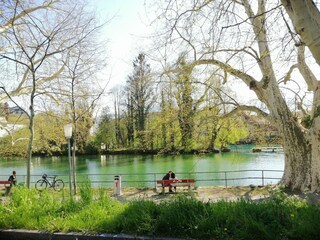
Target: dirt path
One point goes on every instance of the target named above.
(205, 194)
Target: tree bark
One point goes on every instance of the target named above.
(305, 18)
(302, 168)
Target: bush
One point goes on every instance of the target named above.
(139, 217)
(278, 217)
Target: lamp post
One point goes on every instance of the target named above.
(68, 135)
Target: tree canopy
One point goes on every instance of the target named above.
(254, 43)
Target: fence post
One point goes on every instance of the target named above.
(262, 177)
(225, 179)
(155, 181)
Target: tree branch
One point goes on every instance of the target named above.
(246, 108)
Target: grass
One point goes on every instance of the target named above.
(279, 217)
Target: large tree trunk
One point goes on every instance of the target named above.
(300, 145)
(301, 152)
(313, 145)
(298, 158)
(302, 163)
(302, 168)
(305, 18)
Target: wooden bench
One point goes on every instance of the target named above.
(176, 183)
(7, 185)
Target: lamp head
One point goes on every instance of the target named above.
(68, 131)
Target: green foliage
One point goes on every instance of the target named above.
(84, 123)
(105, 132)
(307, 121)
(18, 149)
(139, 217)
(165, 138)
(86, 192)
(231, 131)
(48, 137)
(164, 132)
(91, 148)
(182, 216)
(29, 209)
(139, 99)
(278, 217)
(17, 119)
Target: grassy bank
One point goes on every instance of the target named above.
(279, 217)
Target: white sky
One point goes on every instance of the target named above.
(127, 35)
(124, 33)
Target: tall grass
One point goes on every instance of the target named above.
(279, 217)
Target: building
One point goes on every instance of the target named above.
(16, 110)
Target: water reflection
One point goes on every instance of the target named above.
(103, 160)
(133, 167)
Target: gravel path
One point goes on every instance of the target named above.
(205, 194)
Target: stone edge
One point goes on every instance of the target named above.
(20, 234)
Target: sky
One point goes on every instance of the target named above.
(127, 36)
(124, 33)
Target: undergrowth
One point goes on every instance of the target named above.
(278, 217)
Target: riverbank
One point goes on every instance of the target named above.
(92, 212)
(161, 151)
(210, 194)
(204, 194)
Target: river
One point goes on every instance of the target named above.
(208, 169)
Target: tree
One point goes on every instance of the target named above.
(186, 108)
(105, 132)
(189, 97)
(130, 121)
(36, 37)
(140, 95)
(119, 135)
(244, 41)
(305, 17)
(47, 140)
(168, 118)
(82, 63)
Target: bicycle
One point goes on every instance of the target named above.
(56, 184)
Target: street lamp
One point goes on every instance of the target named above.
(68, 135)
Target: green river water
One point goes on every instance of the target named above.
(143, 170)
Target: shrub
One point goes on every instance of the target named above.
(278, 217)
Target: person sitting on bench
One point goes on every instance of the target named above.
(167, 177)
(173, 177)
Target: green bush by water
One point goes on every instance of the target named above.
(279, 217)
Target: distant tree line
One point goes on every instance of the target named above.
(178, 114)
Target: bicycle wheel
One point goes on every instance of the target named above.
(58, 185)
(41, 185)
